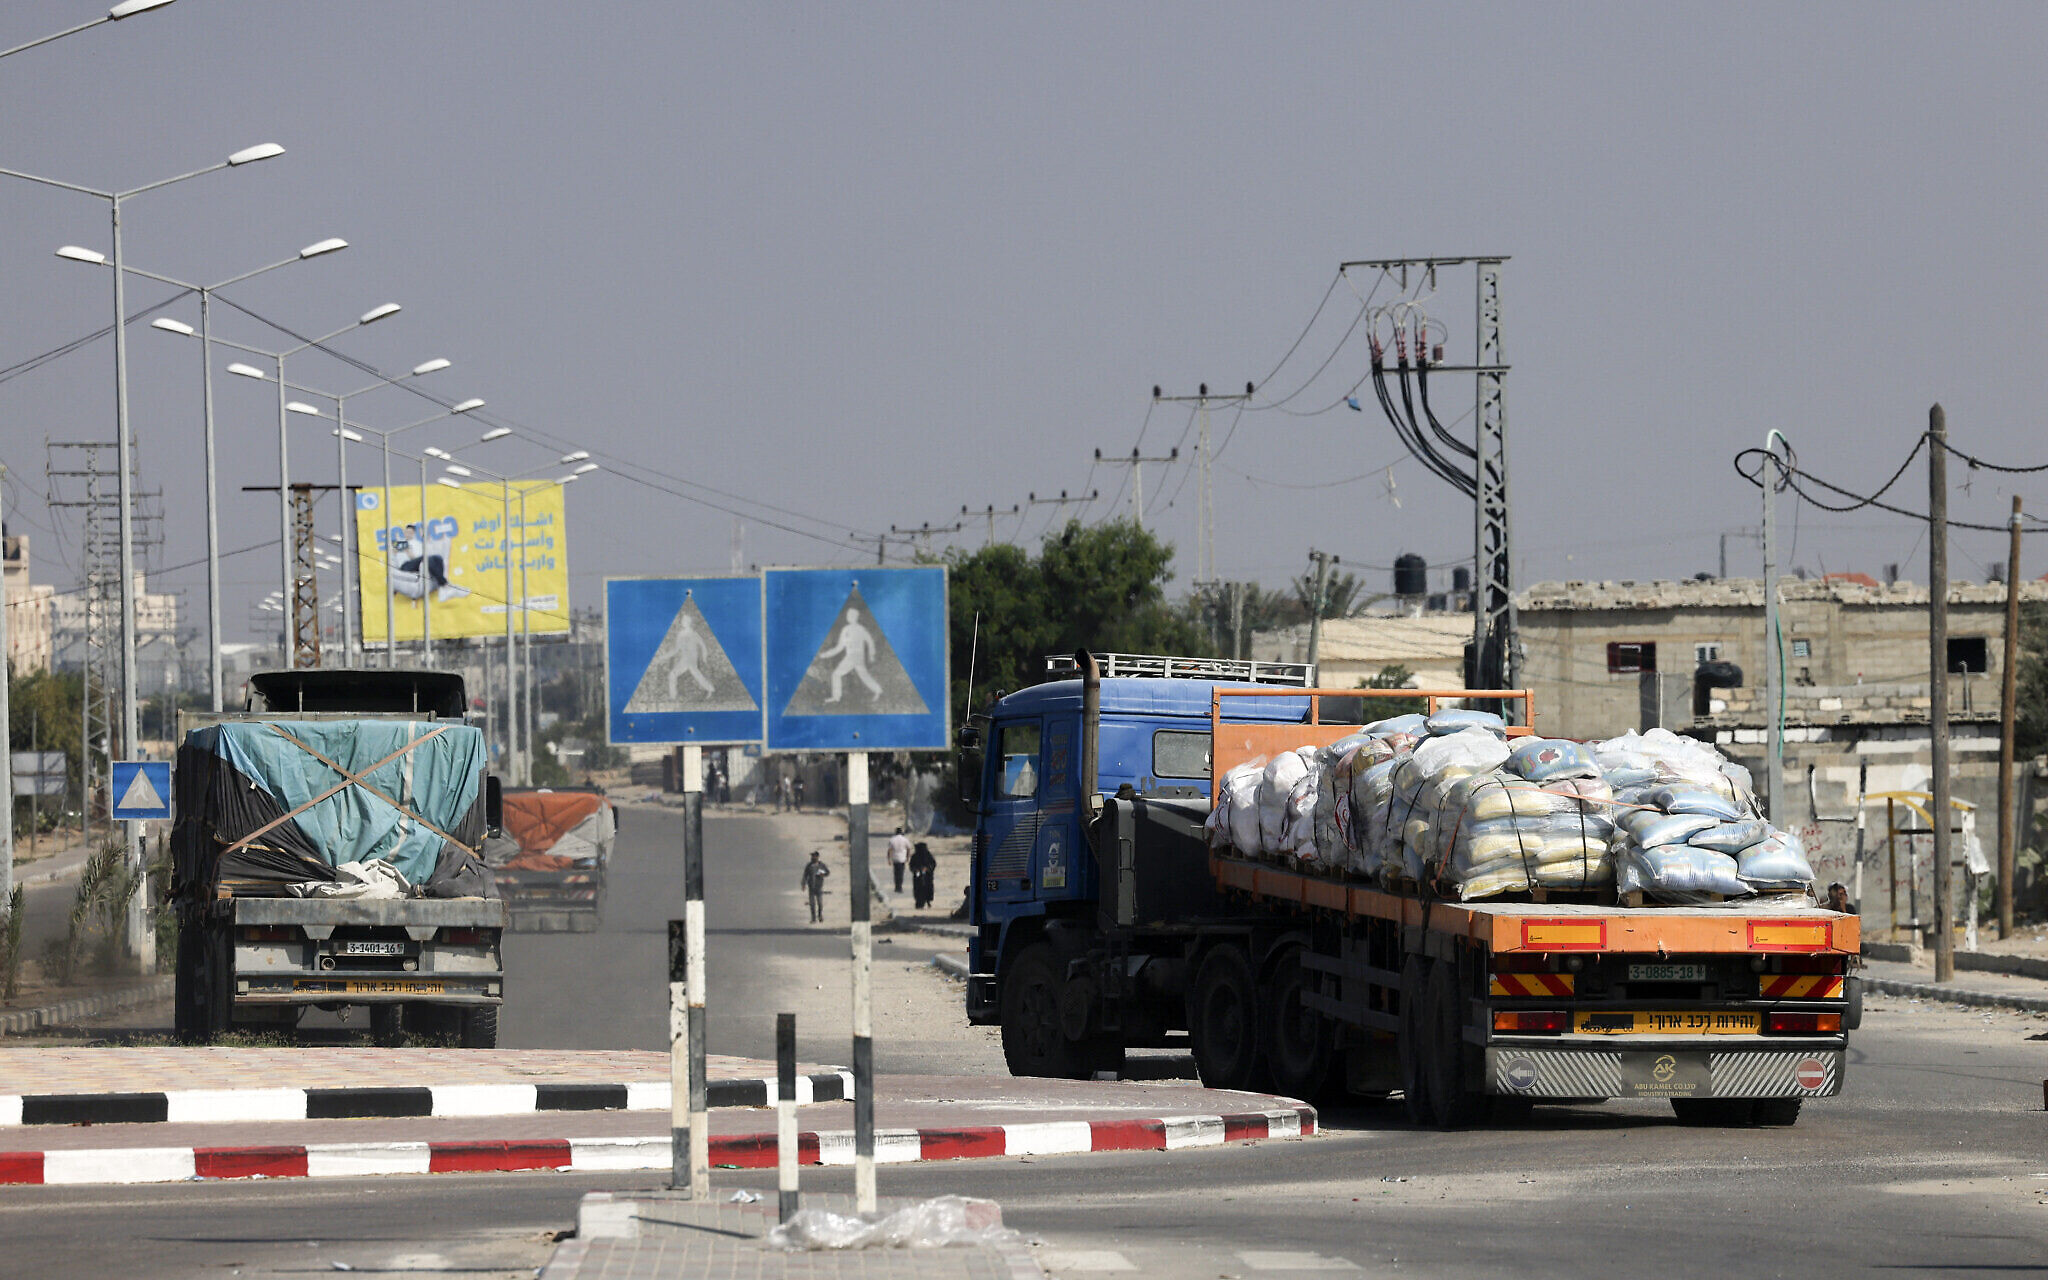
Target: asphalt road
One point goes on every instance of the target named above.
(1934, 1162)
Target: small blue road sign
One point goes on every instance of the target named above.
(142, 789)
(683, 660)
(856, 659)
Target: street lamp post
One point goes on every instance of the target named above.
(384, 443)
(341, 439)
(204, 334)
(125, 9)
(142, 943)
(284, 505)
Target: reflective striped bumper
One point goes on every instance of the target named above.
(1665, 1071)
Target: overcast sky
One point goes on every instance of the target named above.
(868, 264)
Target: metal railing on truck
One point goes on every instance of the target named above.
(1232, 743)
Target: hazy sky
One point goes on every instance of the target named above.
(871, 263)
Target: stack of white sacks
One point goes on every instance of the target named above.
(1448, 801)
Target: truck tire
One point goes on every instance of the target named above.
(1223, 1021)
(1298, 1042)
(1777, 1113)
(430, 1023)
(185, 996)
(387, 1028)
(480, 1028)
(1720, 1113)
(1414, 1080)
(1033, 1042)
(204, 1002)
(1852, 1007)
(1452, 1105)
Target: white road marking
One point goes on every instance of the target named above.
(1293, 1260)
(1085, 1260)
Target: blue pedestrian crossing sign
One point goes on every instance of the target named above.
(856, 659)
(683, 660)
(142, 790)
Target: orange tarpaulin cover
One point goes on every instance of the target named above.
(537, 819)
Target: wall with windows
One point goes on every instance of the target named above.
(1588, 645)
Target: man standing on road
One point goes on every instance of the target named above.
(813, 881)
(899, 856)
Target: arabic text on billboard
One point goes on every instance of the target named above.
(447, 566)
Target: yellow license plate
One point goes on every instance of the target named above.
(373, 987)
(1705, 1022)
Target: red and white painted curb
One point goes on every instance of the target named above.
(584, 1155)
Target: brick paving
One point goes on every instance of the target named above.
(672, 1237)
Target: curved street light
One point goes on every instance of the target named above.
(125, 9)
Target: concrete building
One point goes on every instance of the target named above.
(1353, 650)
(1589, 645)
(30, 608)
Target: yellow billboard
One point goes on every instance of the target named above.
(448, 561)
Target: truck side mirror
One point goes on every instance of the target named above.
(494, 806)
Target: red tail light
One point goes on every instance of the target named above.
(1523, 962)
(268, 933)
(1526, 1021)
(1803, 1023)
(465, 937)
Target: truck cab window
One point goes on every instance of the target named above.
(1018, 750)
(1179, 754)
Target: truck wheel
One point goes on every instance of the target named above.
(480, 1028)
(1721, 1113)
(1852, 1007)
(1414, 1080)
(1452, 1105)
(1223, 1026)
(185, 998)
(1033, 1043)
(1298, 1044)
(205, 991)
(1777, 1113)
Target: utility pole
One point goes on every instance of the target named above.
(304, 606)
(1496, 645)
(2008, 821)
(1318, 601)
(1937, 673)
(990, 513)
(1774, 640)
(1236, 619)
(922, 536)
(1733, 533)
(1137, 466)
(1062, 502)
(1205, 482)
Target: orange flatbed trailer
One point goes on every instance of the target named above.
(1735, 1011)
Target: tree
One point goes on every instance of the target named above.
(1340, 595)
(1100, 587)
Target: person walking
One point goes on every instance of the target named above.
(797, 791)
(813, 881)
(782, 793)
(899, 856)
(924, 870)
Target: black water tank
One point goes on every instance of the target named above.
(1709, 676)
(1411, 575)
(1461, 580)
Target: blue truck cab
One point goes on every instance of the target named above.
(1037, 894)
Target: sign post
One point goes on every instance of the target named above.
(856, 661)
(683, 666)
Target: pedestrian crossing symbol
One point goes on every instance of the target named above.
(690, 671)
(856, 672)
(683, 660)
(142, 789)
(856, 659)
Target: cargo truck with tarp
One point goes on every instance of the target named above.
(550, 857)
(327, 852)
(1446, 907)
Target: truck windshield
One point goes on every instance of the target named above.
(1018, 750)
(1177, 753)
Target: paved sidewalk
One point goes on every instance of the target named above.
(917, 1118)
(655, 1234)
(1974, 987)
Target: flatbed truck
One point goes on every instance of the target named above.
(1105, 921)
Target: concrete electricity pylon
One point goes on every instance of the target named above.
(1136, 463)
(1205, 483)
